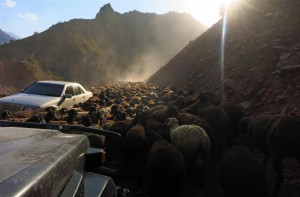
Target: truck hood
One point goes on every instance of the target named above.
(32, 100)
(38, 161)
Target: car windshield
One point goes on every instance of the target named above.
(46, 89)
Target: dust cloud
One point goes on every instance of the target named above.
(144, 66)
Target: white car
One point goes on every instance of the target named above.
(42, 94)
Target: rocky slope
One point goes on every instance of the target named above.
(262, 58)
(15, 76)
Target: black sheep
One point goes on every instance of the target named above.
(235, 113)
(196, 107)
(242, 175)
(50, 114)
(87, 120)
(257, 130)
(155, 126)
(36, 118)
(135, 150)
(219, 121)
(121, 116)
(283, 140)
(165, 170)
(5, 114)
(179, 102)
(72, 113)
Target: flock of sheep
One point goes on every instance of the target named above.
(178, 143)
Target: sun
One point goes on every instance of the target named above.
(227, 2)
(206, 11)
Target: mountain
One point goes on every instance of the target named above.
(18, 75)
(13, 35)
(261, 58)
(5, 38)
(110, 47)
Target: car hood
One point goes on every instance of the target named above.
(31, 100)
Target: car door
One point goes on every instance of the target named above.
(79, 94)
(68, 102)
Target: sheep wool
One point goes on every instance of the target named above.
(191, 140)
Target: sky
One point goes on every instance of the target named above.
(24, 17)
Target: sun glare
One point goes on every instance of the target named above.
(226, 2)
(207, 11)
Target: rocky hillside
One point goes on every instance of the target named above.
(112, 46)
(261, 58)
(15, 76)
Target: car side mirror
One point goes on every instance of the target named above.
(67, 96)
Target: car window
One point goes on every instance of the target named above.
(70, 90)
(78, 90)
(46, 89)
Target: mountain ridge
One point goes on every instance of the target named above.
(5, 37)
(110, 47)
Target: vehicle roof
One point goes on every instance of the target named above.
(57, 82)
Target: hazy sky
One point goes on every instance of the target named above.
(24, 17)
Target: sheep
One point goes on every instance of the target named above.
(179, 102)
(87, 120)
(5, 114)
(50, 114)
(204, 101)
(257, 129)
(194, 144)
(155, 126)
(235, 113)
(213, 98)
(72, 113)
(201, 102)
(114, 111)
(165, 170)
(172, 123)
(172, 111)
(98, 117)
(283, 141)
(191, 107)
(188, 119)
(120, 127)
(241, 174)
(135, 150)
(36, 118)
(121, 116)
(141, 116)
(277, 136)
(219, 121)
(161, 112)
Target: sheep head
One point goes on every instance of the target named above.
(172, 123)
